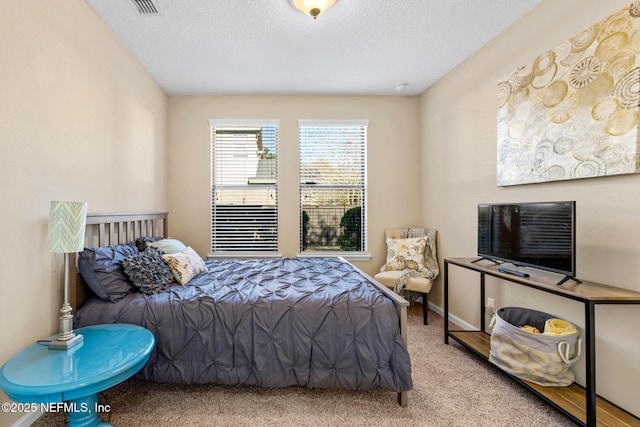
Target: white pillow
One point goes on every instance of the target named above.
(403, 254)
(185, 265)
(168, 246)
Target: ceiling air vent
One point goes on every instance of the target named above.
(146, 7)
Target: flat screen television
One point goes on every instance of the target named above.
(532, 234)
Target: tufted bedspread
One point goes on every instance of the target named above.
(314, 322)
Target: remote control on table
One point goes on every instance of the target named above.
(514, 272)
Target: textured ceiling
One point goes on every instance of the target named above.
(255, 47)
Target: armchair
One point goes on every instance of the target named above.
(412, 264)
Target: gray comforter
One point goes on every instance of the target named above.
(275, 323)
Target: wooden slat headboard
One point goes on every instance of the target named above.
(113, 229)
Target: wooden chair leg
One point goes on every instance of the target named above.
(425, 308)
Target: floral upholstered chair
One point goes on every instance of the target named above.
(412, 264)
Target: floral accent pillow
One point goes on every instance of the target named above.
(147, 271)
(405, 254)
(185, 264)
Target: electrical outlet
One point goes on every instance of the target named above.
(490, 307)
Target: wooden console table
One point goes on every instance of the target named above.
(580, 404)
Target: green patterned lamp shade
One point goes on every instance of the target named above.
(67, 221)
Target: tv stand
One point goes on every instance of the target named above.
(579, 404)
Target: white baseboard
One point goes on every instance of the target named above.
(452, 318)
(27, 419)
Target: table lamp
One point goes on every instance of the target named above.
(67, 222)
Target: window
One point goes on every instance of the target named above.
(333, 188)
(244, 186)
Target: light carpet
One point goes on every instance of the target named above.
(451, 387)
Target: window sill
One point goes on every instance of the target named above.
(349, 256)
(232, 255)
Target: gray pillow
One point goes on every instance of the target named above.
(101, 269)
(142, 242)
(147, 271)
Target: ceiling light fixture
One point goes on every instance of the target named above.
(312, 7)
(401, 86)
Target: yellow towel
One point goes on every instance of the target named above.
(559, 327)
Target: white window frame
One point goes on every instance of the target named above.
(242, 123)
(350, 255)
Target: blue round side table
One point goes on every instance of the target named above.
(109, 355)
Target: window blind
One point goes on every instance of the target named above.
(244, 186)
(333, 185)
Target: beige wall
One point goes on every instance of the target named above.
(458, 120)
(73, 99)
(79, 120)
(393, 163)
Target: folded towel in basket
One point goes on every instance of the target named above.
(559, 327)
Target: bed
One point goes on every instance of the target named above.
(278, 322)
